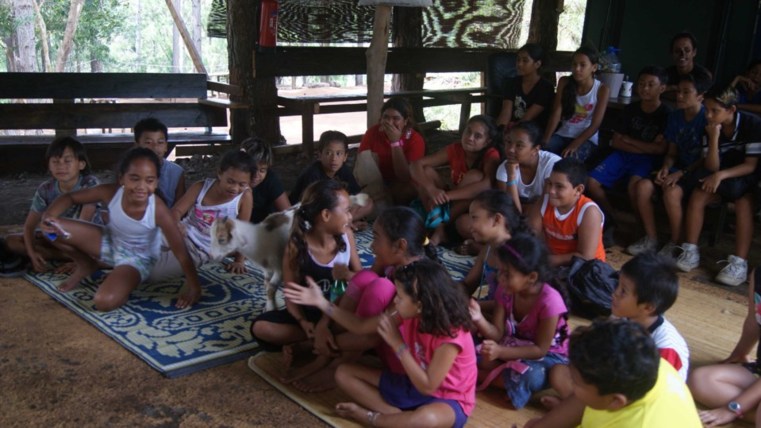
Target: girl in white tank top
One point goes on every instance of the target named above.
(130, 243)
(578, 108)
(228, 195)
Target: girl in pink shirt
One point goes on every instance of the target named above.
(528, 334)
(429, 329)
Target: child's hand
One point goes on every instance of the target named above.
(190, 296)
(712, 131)
(671, 179)
(38, 262)
(440, 197)
(389, 331)
(716, 417)
(711, 183)
(236, 267)
(341, 272)
(475, 310)
(661, 175)
(311, 295)
(570, 151)
(490, 350)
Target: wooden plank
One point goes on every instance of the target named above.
(86, 115)
(300, 61)
(223, 103)
(102, 85)
(225, 88)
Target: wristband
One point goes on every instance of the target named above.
(513, 182)
(403, 347)
(396, 144)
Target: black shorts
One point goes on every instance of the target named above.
(282, 316)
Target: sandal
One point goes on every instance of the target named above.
(437, 216)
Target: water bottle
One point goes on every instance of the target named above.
(337, 289)
(611, 61)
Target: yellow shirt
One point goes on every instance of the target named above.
(669, 404)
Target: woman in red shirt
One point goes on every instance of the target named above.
(394, 144)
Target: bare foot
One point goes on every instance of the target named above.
(309, 368)
(549, 401)
(82, 270)
(65, 268)
(287, 358)
(322, 380)
(353, 411)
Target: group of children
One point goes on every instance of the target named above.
(523, 210)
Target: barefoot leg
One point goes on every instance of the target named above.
(84, 266)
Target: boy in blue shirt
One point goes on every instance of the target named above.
(684, 132)
(152, 134)
(637, 141)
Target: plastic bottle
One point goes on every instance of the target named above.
(337, 289)
(611, 61)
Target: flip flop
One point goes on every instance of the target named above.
(437, 216)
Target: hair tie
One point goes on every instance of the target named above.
(426, 242)
(307, 225)
(514, 252)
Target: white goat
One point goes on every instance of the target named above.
(263, 243)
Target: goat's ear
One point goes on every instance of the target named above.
(228, 222)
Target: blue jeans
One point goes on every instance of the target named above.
(558, 143)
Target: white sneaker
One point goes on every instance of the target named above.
(644, 244)
(689, 259)
(668, 250)
(734, 273)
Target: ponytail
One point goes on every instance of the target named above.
(320, 195)
(404, 223)
(568, 98)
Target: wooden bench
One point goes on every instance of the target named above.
(71, 102)
(308, 106)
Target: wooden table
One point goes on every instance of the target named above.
(308, 106)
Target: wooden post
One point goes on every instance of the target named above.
(407, 31)
(241, 42)
(543, 28)
(194, 55)
(376, 62)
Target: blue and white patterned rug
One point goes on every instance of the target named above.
(215, 331)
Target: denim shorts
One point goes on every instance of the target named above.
(520, 387)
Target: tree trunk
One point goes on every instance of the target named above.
(25, 55)
(138, 40)
(75, 9)
(407, 32)
(543, 28)
(180, 24)
(376, 63)
(241, 39)
(176, 43)
(46, 66)
(197, 25)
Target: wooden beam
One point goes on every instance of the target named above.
(319, 61)
(194, 54)
(102, 85)
(376, 62)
